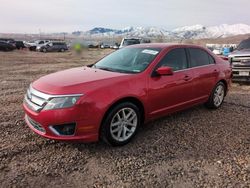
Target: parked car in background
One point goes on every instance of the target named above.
(8, 40)
(240, 60)
(32, 45)
(29, 44)
(145, 40)
(20, 45)
(112, 98)
(115, 46)
(217, 51)
(5, 46)
(109, 44)
(93, 44)
(38, 46)
(105, 45)
(129, 41)
(55, 46)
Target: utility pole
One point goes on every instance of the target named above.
(39, 33)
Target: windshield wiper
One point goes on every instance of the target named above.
(127, 71)
(114, 70)
(106, 69)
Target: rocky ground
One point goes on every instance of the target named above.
(193, 148)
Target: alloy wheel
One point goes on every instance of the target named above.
(123, 124)
(219, 95)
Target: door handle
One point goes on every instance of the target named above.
(187, 78)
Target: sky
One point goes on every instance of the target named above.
(35, 16)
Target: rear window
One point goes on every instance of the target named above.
(199, 57)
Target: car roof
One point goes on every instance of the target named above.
(162, 45)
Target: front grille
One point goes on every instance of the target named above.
(35, 100)
(35, 125)
(241, 59)
(240, 62)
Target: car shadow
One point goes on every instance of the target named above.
(196, 133)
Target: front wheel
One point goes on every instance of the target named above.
(121, 124)
(217, 96)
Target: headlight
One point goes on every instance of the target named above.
(61, 102)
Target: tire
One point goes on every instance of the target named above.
(44, 50)
(32, 48)
(121, 124)
(217, 96)
(62, 50)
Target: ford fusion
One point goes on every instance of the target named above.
(112, 98)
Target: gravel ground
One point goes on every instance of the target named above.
(193, 148)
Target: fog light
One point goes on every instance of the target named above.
(65, 129)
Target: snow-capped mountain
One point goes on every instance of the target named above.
(186, 32)
(128, 31)
(190, 32)
(225, 30)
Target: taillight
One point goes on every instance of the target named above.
(225, 58)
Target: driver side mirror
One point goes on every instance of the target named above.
(164, 71)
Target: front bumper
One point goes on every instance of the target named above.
(86, 129)
(241, 74)
(241, 79)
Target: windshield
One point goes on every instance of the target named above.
(245, 44)
(128, 60)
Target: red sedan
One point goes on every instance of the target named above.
(125, 89)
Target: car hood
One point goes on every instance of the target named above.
(76, 80)
(245, 52)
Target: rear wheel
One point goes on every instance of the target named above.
(44, 50)
(217, 96)
(121, 124)
(62, 50)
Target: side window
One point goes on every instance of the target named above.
(198, 57)
(176, 59)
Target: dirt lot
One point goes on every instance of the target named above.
(194, 148)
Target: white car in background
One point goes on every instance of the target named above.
(38, 46)
(217, 51)
(32, 45)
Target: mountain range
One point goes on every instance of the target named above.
(186, 32)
